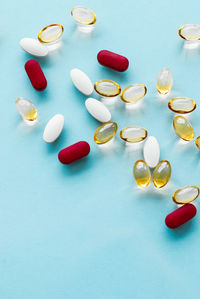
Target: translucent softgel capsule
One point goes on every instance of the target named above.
(26, 109)
(105, 132)
(190, 32)
(133, 93)
(162, 174)
(83, 15)
(133, 134)
(50, 33)
(107, 88)
(182, 105)
(164, 81)
(197, 142)
(142, 173)
(186, 194)
(183, 128)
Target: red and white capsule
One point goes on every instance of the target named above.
(35, 75)
(113, 61)
(74, 152)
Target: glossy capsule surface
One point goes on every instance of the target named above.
(107, 88)
(162, 174)
(83, 15)
(197, 142)
(105, 132)
(133, 93)
(164, 81)
(35, 74)
(74, 152)
(133, 134)
(113, 60)
(182, 105)
(180, 216)
(50, 33)
(26, 109)
(185, 194)
(183, 128)
(190, 32)
(142, 173)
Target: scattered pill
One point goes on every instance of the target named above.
(183, 128)
(98, 110)
(133, 134)
(142, 173)
(81, 81)
(190, 32)
(133, 93)
(112, 60)
(182, 105)
(197, 142)
(83, 15)
(162, 174)
(151, 151)
(53, 128)
(74, 152)
(35, 75)
(51, 33)
(26, 109)
(164, 81)
(107, 88)
(185, 194)
(105, 132)
(33, 47)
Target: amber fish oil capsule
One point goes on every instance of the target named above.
(133, 134)
(107, 88)
(162, 174)
(83, 15)
(182, 105)
(197, 142)
(185, 194)
(183, 128)
(164, 81)
(26, 109)
(190, 32)
(133, 93)
(51, 33)
(105, 132)
(142, 173)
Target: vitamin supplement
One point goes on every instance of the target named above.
(83, 15)
(51, 33)
(182, 105)
(113, 61)
(190, 32)
(105, 132)
(26, 109)
(35, 75)
(133, 93)
(164, 81)
(197, 142)
(33, 47)
(151, 151)
(133, 134)
(81, 81)
(107, 88)
(53, 128)
(98, 110)
(185, 194)
(74, 152)
(180, 216)
(142, 173)
(183, 128)
(162, 174)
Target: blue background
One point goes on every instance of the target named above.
(86, 230)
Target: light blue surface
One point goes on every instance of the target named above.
(86, 230)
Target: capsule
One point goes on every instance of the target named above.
(183, 128)
(51, 33)
(133, 134)
(185, 194)
(98, 110)
(83, 15)
(182, 105)
(162, 174)
(197, 142)
(35, 75)
(53, 128)
(142, 173)
(113, 61)
(190, 32)
(180, 216)
(151, 151)
(164, 81)
(26, 109)
(105, 132)
(74, 152)
(34, 47)
(133, 93)
(107, 88)
(81, 81)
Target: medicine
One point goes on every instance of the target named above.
(83, 15)
(81, 81)
(51, 33)
(142, 173)
(98, 110)
(74, 152)
(162, 174)
(105, 132)
(183, 128)
(182, 105)
(133, 134)
(185, 194)
(34, 47)
(180, 216)
(113, 61)
(35, 75)
(151, 151)
(53, 128)
(133, 93)
(190, 32)
(107, 88)
(197, 142)
(164, 81)
(26, 109)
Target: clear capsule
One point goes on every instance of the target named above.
(105, 132)
(162, 174)
(185, 194)
(142, 173)
(190, 32)
(26, 109)
(182, 105)
(197, 142)
(83, 15)
(183, 128)
(107, 88)
(133, 134)
(133, 93)
(164, 81)
(51, 33)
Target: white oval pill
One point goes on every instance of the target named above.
(98, 110)
(33, 47)
(82, 82)
(151, 151)
(53, 128)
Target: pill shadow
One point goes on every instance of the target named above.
(119, 77)
(57, 145)
(182, 231)
(77, 167)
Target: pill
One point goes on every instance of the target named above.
(190, 32)
(164, 81)
(162, 174)
(81, 81)
(183, 128)
(182, 105)
(133, 134)
(107, 88)
(53, 128)
(105, 132)
(83, 15)
(98, 110)
(26, 109)
(197, 142)
(74, 152)
(133, 93)
(151, 151)
(35, 75)
(185, 194)
(33, 47)
(112, 60)
(50, 33)
(142, 173)
(180, 216)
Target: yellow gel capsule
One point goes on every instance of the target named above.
(107, 88)
(190, 32)
(83, 15)
(162, 174)
(26, 109)
(185, 194)
(142, 173)
(133, 134)
(164, 81)
(197, 142)
(182, 105)
(50, 33)
(183, 128)
(105, 132)
(133, 93)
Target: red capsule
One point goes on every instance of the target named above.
(113, 61)
(74, 152)
(181, 215)
(35, 75)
